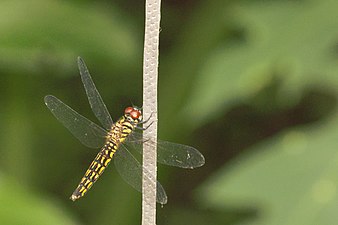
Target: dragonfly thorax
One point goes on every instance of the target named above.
(133, 114)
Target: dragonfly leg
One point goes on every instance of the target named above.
(138, 141)
(144, 128)
(147, 120)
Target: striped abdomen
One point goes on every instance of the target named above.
(119, 132)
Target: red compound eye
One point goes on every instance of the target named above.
(135, 114)
(128, 110)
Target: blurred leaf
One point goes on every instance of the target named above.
(199, 33)
(295, 39)
(40, 34)
(21, 206)
(181, 214)
(291, 179)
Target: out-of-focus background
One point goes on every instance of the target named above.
(252, 84)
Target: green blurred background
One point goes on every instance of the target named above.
(252, 84)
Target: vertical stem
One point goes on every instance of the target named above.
(150, 77)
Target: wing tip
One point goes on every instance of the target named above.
(162, 201)
(195, 162)
(202, 162)
(47, 99)
(80, 62)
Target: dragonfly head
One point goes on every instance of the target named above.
(133, 114)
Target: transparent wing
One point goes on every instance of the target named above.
(96, 103)
(168, 153)
(131, 172)
(89, 134)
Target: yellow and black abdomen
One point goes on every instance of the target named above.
(119, 132)
(95, 169)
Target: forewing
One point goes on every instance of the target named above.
(86, 131)
(131, 172)
(96, 103)
(169, 153)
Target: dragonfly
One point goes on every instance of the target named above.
(117, 140)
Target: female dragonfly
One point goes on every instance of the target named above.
(116, 139)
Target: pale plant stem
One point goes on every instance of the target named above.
(150, 77)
